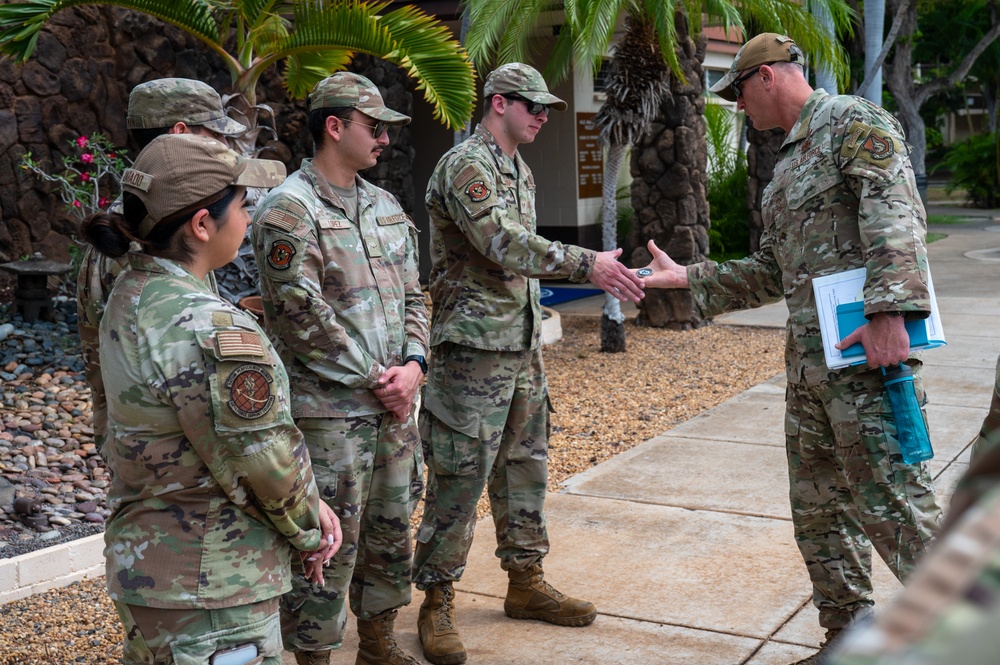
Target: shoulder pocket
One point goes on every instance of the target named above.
(475, 191)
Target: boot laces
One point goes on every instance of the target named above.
(549, 589)
(442, 617)
(390, 640)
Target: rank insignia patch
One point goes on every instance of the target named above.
(477, 191)
(880, 147)
(281, 254)
(250, 391)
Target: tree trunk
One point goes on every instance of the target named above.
(899, 78)
(762, 153)
(824, 74)
(612, 320)
(874, 34)
(669, 191)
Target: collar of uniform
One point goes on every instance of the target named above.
(506, 164)
(158, 265)
(801, 127)
(322, 187)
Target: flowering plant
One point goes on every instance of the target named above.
(90, 180)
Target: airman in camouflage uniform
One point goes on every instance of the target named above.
(172, 105)
(486, 418)
(843, 197)
(343, 305)
(989, 434)
(213, 487)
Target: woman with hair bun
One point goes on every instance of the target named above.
(213, 488)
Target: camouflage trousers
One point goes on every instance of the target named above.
(850, 491)
(948, 613)
(485, 424)
(989, 435)
(369, 469)
(155, 636)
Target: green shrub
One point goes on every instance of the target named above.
(975, 167)
(729, 234)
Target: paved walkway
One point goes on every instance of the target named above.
(684, 542)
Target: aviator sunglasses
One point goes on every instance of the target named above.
(534, 108)
(735, 85)
(377, 128)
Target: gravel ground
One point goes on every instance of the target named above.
(605, 404)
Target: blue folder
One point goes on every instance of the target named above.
(851, 316)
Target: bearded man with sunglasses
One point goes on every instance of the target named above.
(343, 305)
(485, 421)
(843, 196)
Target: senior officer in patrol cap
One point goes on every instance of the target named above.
(843, 197)
(343, 304)
(163, 106)
(487, 414)
(199, 542)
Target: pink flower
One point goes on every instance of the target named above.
(77, 204)
(82, 141)
(86, 158)
(102, 202)
(85, 177)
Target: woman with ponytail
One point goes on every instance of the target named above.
(213, 488)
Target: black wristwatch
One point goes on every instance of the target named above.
(420, 359)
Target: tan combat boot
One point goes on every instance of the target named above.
(312, 657)
(824, 648)
(437, 627)
(529, 596)
(377, 643)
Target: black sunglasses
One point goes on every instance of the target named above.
(735, 85)
(534, 108)
(377, 128)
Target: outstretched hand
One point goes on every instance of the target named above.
(665, 272)
(616, 279)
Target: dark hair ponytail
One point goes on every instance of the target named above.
(112, 233)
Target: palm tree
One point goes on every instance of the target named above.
(312, 39)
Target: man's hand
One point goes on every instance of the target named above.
(666, 273)
(616, 279)
(398, 387)
(332, 539)
(885, 340)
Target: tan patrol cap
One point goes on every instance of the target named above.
(763, 49)
(165, 102)
(177, 171)
(524, 80)
(350, 90)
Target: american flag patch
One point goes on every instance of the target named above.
(281, 219)
(236, 343)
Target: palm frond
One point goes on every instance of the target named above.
(518, 43)
(488, 20)
(594, 29)
(21, 22)
(304, 70)
(441, 67)
(662, 15)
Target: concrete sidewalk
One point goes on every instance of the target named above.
(684, 542)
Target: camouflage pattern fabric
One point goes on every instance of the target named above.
(521, 79)
(370, 470)
(949, 612)
(989, 434)
(93, 287)
(350, 90)
(190, 637)
(843, 196)
(165, 102)
(482, 212)
(212, 486)
(486, 425)
(342, 300)
(850, 491)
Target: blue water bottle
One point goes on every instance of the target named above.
(910, 427)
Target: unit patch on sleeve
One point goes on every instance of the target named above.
(250, 394)
(873, 145)
(477, 191)
(281, 254)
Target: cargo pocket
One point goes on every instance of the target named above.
(264, 634)
(452, 437)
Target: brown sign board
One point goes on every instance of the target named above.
(589, 157)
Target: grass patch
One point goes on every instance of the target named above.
(934, 237)
(949, 219)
